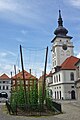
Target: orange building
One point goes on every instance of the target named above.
(29, 80)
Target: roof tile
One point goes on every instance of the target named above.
(69, 63)
(4, 77)
(26, 74)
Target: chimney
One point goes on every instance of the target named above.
(30, 71)
(11, 74)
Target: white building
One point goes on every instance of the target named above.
(64, 73)
(5, 86)
(77, 83)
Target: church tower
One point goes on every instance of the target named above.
(62, 47)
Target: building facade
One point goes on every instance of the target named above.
(63, 64)
(18, 79)
(77, 82)
(5, 87)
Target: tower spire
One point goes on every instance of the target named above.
(60, 21)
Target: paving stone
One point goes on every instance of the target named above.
(71, 111)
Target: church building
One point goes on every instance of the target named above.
(61, 82)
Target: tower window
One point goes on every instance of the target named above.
(54, 79)
(72, 76)
(55, 62)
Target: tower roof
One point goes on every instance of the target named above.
(60, 30)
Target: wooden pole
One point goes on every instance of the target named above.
(15, 78)
(44, 83)
(23, 73)
(15, 86)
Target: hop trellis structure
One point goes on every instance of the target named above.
(28, 98)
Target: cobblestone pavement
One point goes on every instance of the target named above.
(71, 111)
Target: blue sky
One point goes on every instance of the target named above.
(31, 23)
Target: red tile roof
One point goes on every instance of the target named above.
(50, 74)
(69, 63)
(26, 74)
(4, 77)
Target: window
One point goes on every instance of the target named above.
(3, 81)
(0, 87)
(3, 87)
(55, 62)
(56, 78)
(50, 93)
(55, 94)
(72, 76)
(59, 77)
(51, 79)
(60, 94)
(6, 87)
(72, 86)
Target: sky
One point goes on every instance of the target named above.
(31, 24)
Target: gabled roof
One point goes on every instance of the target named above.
(69, 63)
(26, 74)
(4, 77)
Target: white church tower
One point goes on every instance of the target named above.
(61, 82)
(62, 47)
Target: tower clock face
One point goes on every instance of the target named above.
(64, 47)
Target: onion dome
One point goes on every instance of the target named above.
(60, 30)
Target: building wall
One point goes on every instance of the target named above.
(5, 86)
(78, 91)
(62, 85)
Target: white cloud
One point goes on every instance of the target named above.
(6, 53)
(11, 53)
(7, 5)
(78, 55)
(24, 12)
(75, 3)
(3, 54)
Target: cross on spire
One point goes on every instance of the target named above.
(60, 21)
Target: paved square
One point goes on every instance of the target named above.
(71, 111)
